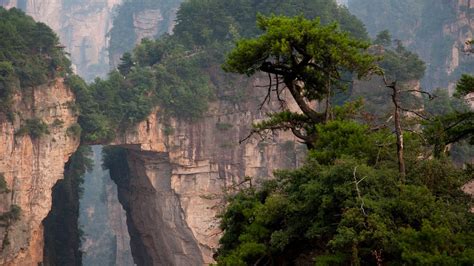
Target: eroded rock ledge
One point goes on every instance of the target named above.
(179, 173)
(31, 167)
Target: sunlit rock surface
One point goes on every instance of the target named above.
(31, 166)
(181, 171)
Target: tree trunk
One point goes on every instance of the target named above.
(399, 133)
(328, 102)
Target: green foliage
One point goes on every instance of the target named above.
(338, 138)
(30, 55)
(57, 123)
(223, 126)
(79, 163)
(452, 121)
(74, 130)
(384, 38)
(3, 184)
(286, 38)
(399, 63)
(35, 128)
(95, 126)
(6, 87)
(126, 64)
(12, 215)
(309, 58)
(351, 208)
(183, 88)
(464, 86)
(179, 72)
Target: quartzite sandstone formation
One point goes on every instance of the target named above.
(180, 172)
(31, 167)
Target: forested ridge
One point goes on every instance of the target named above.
(174, 72)
(379, 185)
(367, 194)
(30, 55)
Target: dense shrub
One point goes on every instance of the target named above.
(35, 128)
(352, 209)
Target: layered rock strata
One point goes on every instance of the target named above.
(82, 26)
(31, 166)
(180, 173)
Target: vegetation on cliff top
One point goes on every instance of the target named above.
(349, 204)
(30, 55)
(178, 72)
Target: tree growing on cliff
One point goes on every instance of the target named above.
(453, 119)
(307, 59)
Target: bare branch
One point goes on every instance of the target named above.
(430, 96)
(278, 92)
(356, 182)
(269, 91)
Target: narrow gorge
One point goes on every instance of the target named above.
(185, 167)
(147, 183)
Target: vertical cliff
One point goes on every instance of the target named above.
(102, 218)
(139, 19)
(31, 165)
(436, 30)
(181, 171)
(82, 26)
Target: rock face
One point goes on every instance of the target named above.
(181, 171)
(82, 26)
(460, 30)
(102, 219)
(436, 30)
(136, 20)
(31, 166)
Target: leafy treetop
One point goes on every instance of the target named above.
(307, 57)
(30, 55)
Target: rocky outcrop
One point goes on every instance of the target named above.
(435, 30)
(460, 30)
(117, 223)
(31, 166)
(102, 219)
(137, 20)
(146, 23)
(82, 27)
(180, 173)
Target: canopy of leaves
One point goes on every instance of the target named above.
(400, 64)
(452, 120)
(180, 73)
(346, 206)
(35, 128)
(465, 85)
(310, 60)
(287, 41)
(30, 54)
